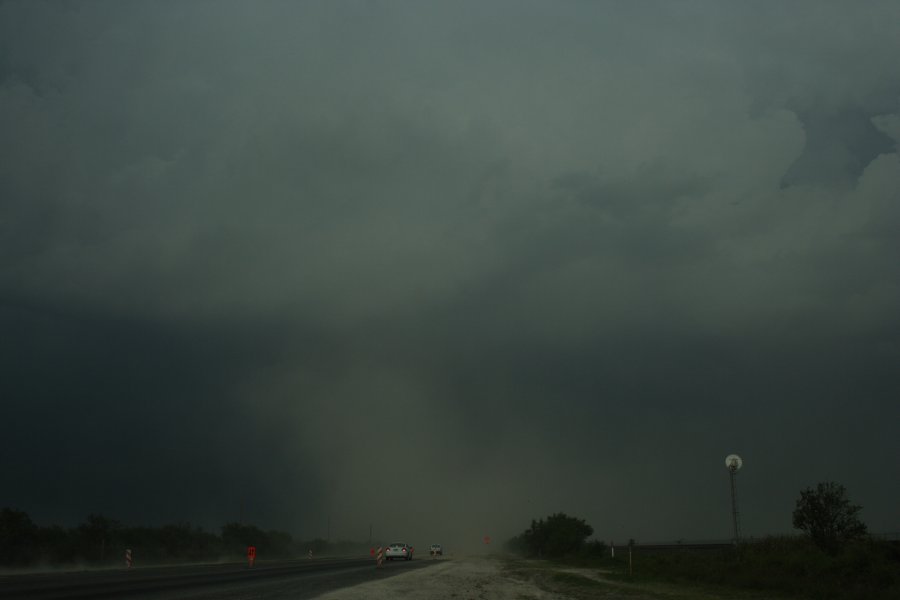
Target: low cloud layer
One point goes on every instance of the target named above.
(445, 269)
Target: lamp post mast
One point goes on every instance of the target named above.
(734, 463)
(732, 472)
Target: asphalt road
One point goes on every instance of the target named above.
(294, 580)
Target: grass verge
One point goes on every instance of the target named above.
(583, 583)
(772, 568)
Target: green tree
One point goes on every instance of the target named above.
(317, 545)
(827, 517)
(558, 536)
(98, 535)
(18, 537)
(241, 535)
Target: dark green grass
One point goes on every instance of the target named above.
(864, 570)
(547, 576)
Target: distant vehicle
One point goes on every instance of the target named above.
(399, 550)
(437, 550)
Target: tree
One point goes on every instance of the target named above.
(827, 517)
(559, 535)
(97, 533)
(240, 536)
(18, 537)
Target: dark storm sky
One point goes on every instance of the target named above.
(446, 267)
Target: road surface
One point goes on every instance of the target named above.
(266, 581)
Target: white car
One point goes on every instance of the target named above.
(398, 550)
(437, 550)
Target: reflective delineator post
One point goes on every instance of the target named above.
(129, 562)
(251, 555)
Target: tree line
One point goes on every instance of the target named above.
(824, 513)
(835, 557)
(100, 541)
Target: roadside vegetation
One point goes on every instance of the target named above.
(835, 559)
(101, 542)
(863, 569)
(558, 535)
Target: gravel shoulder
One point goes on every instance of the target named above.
(480, 578)
(460, 578)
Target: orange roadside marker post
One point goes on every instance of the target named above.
(379, 558)
(251, 555)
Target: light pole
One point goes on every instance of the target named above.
(734, 463)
